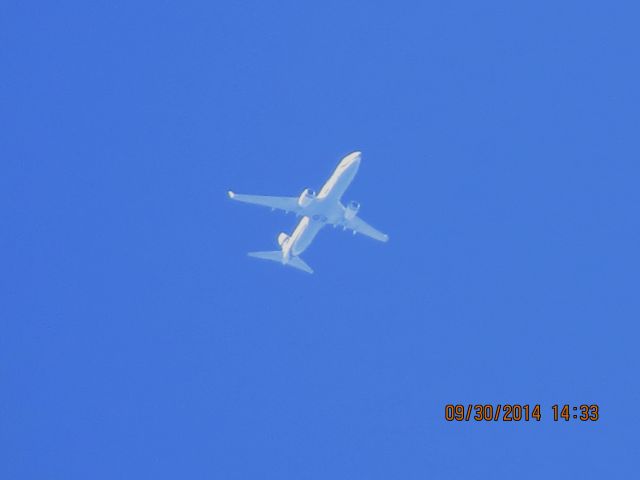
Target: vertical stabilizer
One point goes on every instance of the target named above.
(283, 237)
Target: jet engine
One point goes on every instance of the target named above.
(306, 197)
(352, 210)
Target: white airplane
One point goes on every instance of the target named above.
(316, 211)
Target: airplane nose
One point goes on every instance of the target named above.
(352, 158)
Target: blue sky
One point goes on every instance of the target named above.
(500, 152)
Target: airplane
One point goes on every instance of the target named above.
(316, 211)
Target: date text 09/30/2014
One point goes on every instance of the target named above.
(516, 412)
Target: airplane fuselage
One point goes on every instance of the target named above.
(325, 207)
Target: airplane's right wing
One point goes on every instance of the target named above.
(288, 204)
(360, 226)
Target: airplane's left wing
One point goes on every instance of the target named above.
(360, 226)
(288, 204)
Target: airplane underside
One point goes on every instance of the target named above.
(315, 211)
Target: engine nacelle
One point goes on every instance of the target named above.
(306, 197)
(352, 210)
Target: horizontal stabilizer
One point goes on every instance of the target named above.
(297, 262)
(276, 256)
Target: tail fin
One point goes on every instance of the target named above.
(276, 256)
(283, 237)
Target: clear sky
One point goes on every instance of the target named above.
(500, 152)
